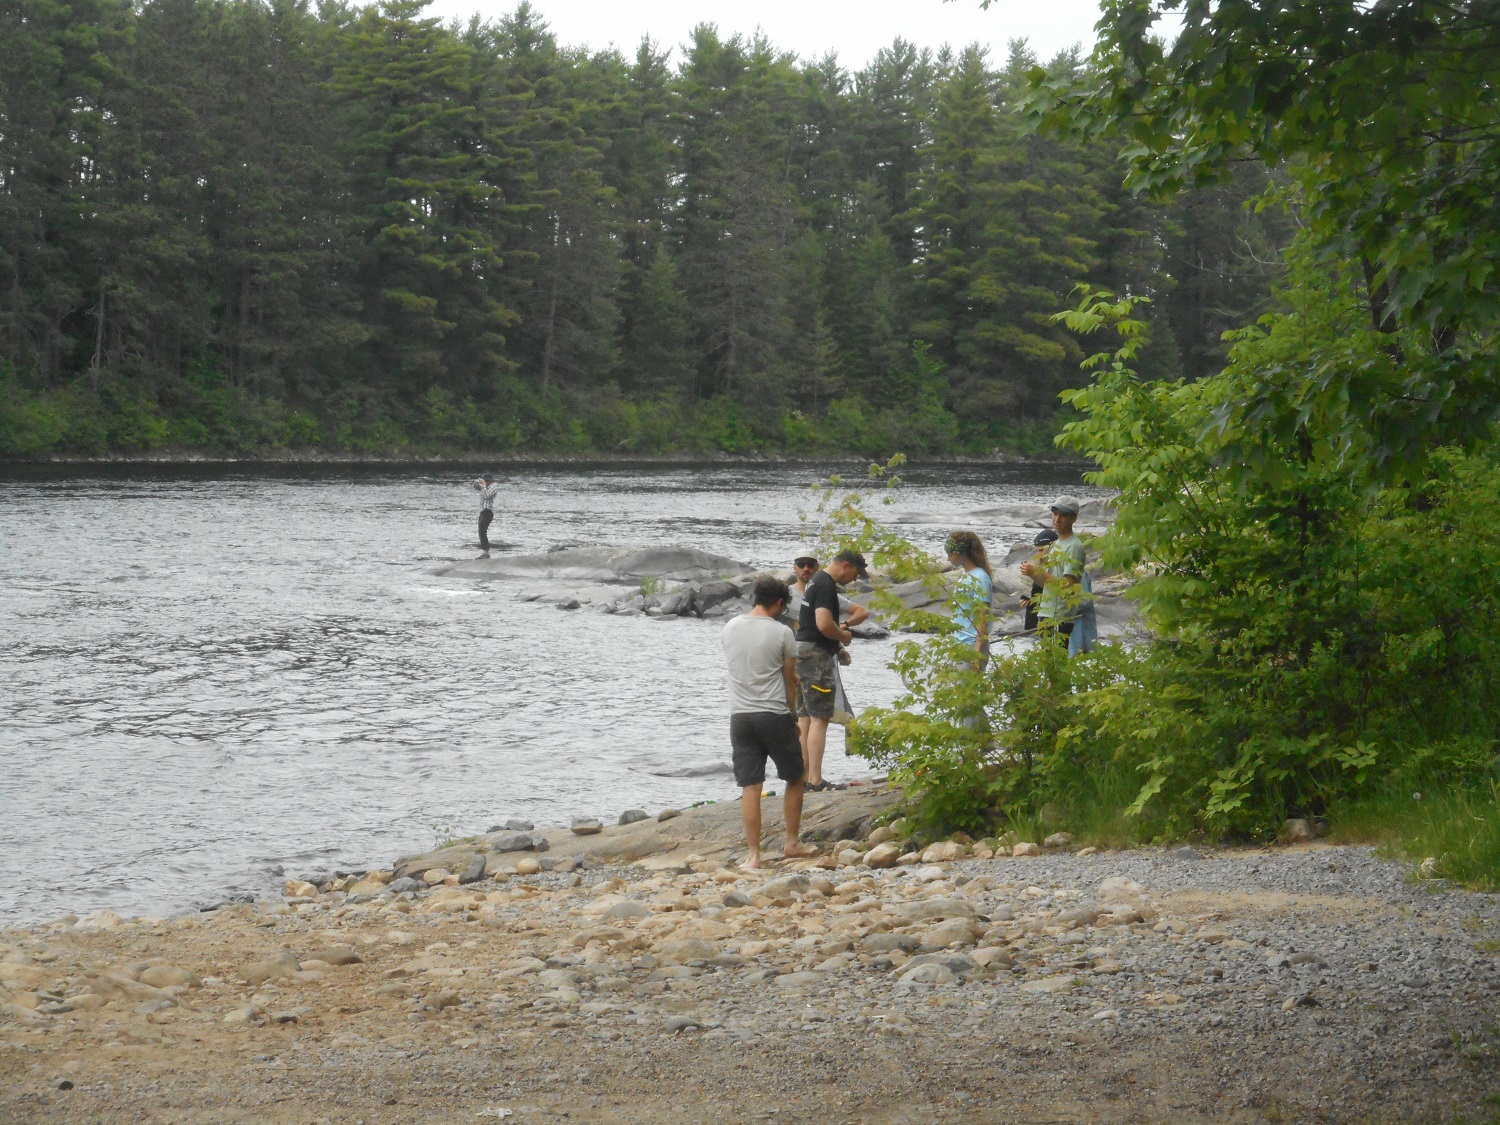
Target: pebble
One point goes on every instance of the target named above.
(586, 826)
(1025, 848)
(630, 816)
(529, 866)
(668, 814)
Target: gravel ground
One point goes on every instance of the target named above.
(1305, 984)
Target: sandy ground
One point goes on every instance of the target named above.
(1303, 984)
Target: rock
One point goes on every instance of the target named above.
(992, 956)
(434, 876)
(1211, 937)
(1108, 967)
(626, 911)
(673, 972)
(604, 564)
(712, 594)
(474, 872)
(403, 885)
(1079, 916)
(939, 909)
(1105, 1014)
(339, 955)
(516, 824)
(929, 874)
(281, 965)
(1186, 853)
(296, 888)
(880, 835)
(945, 851)
(1058, 840)
(1024, 849)
(927, 974)
(529, 866)
(569, 603)
(586, 826)
(955, 931)
(630, 816)
(798, 980)
(737, 899)
(244, 1013)
(908, 859)
(1048, 984)
(557, 978)
(1428, 867)
(884, 854)
(164, 976)
(687, 950)
(514, 842)
(1082, 852)
(785, 887)
(444, 999)
(1119, 887)
(886, 943)
(1299, 831)
(668, 814)
(683, 1023)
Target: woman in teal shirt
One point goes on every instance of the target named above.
(971, 596)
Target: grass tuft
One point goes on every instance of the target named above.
(1458, 831)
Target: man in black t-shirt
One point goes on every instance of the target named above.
(820, 638)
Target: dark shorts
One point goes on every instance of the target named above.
(759, 735)
(815, 680)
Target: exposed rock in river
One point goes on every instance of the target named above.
(604, 564)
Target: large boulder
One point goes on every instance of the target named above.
(604, 564)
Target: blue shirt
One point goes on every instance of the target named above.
(973, 590)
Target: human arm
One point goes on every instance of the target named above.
(828, 625)
(856, 614)
(789, 678)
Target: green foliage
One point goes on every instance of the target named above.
(1459, 830)
(280, 225)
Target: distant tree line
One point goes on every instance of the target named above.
(241, 224)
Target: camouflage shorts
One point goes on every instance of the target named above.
(815, 681)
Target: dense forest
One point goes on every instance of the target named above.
(236, 224)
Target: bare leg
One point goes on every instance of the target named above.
(817, 739)
(803, 722)
(791, 807)
(750, 810)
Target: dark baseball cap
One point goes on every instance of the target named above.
(1044, 537)
(854, 559)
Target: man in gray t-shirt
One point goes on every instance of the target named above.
(762, 660)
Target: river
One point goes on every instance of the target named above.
(215, 672)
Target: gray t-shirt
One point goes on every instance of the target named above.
(756, 649)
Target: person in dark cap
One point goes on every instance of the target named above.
(1043, 540)
(820, 641)
(488, 490)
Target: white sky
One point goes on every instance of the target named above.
(856, 29)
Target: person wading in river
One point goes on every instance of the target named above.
(820, 641)
(762, 659)
(488, 490)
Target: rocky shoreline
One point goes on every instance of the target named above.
(630, 973)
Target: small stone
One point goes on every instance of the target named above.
(737, 899)
(1048, 984)
(687, 950)
(1292, 1002)
(683, 1023)
(1025, 848)
(164, 976)
(884, 854)
(1185, 853)
(626, 911)
(668, 814)
(630, 816)
(446, 999)
(1105, 1014)
(1304, 958)
(529, 866)
(880, 836)
(586, 826)
(1211, 937)
(1087, 852)
(515, 824)
(991, 956)
(798, 980)
(63, 1084)
(340, 955)
(1058, 840)
(474, 872)
(434, 876)
(927, 974)
(885, 943)
(283, 965)
(245, 1013)
(514, 842)
(403, 885)
(945, 851)
(296, 888)
(909, 859)
(1109, 967)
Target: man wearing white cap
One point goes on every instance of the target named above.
(1063, 568)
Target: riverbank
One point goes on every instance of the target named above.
(643, 978)
(591, 460)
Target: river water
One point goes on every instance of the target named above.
(212, 672)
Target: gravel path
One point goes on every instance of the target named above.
(1307, 984)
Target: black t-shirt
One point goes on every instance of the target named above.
(822, 593)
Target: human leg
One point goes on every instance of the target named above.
(817, 741)
(750, 812)
(779, 737)
(485, 517)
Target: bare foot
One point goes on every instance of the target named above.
(751, 863)
(796, 850)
